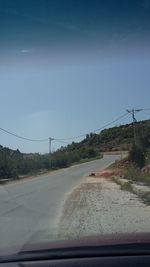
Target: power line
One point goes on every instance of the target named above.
(106, 125)
(142, 109)
(78, 136)
(60, 141)
(132, 112)
(24, 138)
(82, 135)
(117, 119)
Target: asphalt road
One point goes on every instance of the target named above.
(29, 210)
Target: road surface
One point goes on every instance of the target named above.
(30, 210)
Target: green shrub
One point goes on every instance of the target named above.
(133, 173)
(136, 156)
(148, 156)
(127, 186)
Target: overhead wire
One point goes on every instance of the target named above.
(62, 140)
(22, 137)
(142, 109)
(82, 135)
(110, 123)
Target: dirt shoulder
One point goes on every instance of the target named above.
(98, 206)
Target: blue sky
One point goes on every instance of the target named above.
(67, 68)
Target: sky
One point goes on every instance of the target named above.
(69, 67)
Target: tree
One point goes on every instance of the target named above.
(8, 167)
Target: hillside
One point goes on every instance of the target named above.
(13, 163)
(113, 139)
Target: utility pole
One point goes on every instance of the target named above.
(132, 112)
(50, 151)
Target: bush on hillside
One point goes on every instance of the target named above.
(136, 156)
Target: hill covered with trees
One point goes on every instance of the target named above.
(115, 138)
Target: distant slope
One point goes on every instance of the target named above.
(113, 139)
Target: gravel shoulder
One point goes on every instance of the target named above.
(98, 206)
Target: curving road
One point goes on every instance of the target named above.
(30, 209)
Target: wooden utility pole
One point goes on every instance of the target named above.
(132, 112)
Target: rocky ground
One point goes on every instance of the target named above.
(99, 206)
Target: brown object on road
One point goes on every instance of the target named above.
(105, 173)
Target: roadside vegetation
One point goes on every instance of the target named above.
(135, 168)
(138, 169)
(127, 186)
(14, 164)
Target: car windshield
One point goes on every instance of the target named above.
(75, 120)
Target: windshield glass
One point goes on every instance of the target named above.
(74, 127)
